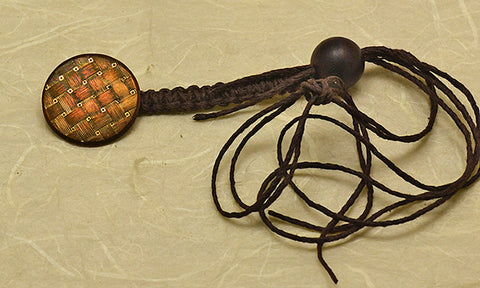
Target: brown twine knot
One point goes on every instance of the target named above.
(323, 90)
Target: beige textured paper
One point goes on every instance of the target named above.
(138, 212)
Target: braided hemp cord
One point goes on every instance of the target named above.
(331, 90)
(196, 98)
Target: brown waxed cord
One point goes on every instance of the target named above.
(331, 91)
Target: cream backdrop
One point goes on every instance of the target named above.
(138, 212)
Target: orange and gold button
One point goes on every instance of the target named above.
(91, 99)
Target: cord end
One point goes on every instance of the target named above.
(325, 265)
(201, 116)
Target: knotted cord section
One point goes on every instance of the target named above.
(251, 89)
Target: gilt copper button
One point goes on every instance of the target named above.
(91, 99)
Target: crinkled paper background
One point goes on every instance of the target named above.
(138, 212)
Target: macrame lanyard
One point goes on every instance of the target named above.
(337, 63)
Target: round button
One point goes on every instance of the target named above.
(91, 99)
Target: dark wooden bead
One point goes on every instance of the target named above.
(338, 56)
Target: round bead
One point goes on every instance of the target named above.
(91, 99)
(338, 56)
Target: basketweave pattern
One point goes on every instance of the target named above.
(90, 98)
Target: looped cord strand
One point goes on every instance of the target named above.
(427, 78)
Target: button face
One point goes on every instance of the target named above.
(91, 99)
